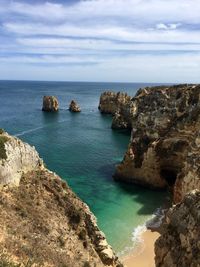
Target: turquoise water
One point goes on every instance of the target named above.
(82, 149)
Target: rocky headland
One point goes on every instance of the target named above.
(74, 107)
(164, 153)
(43, 223)
(50, 104)
(165, 140)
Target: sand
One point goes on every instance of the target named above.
(144, 255)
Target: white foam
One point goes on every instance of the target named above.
(36, 129)
(28, 131)
(138, 244)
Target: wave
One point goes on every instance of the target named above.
(37, 128)
(152, 223)
(28, 131)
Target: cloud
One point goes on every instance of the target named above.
(101, 32)
(170, 26)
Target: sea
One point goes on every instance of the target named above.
(83, 149)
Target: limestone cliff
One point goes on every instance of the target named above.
(165, 139)
(42, 221)
(179, 243)
(16, 157)
(50, 103)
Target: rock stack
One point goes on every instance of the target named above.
(50, 104)
(74, 107)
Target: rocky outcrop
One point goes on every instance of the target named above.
(113, 103)
(16, 158)
(50, 103)
(74, 107)
(164, 147)
(43, 222)
(179, 243)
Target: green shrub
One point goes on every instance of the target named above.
(3, 139)
(2, 131)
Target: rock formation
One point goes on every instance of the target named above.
(50, 103)
(16, 157)
(43, 222)
(112, 103)
(74, 107)
(164, 147)
(179, 243)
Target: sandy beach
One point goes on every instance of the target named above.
(144, 255)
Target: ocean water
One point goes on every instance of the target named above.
(82, 149)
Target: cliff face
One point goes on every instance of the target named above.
(111, 103)
(43, 221)
(16, 158)
(179, 243)
(50, 103)
(164, 146)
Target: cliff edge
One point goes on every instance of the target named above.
(43, 223)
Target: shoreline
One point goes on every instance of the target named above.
(142, 255)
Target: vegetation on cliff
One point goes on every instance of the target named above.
(44, 222)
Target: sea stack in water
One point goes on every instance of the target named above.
(74, 107)
(50, 104)
(179, 243)
(43, 222)
(110, 101)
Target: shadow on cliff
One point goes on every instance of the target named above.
(149, 199)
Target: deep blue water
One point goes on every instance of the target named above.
(81, 148)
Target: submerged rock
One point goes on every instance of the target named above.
(165, 140)
(50, 103)
(74, 107)
(44, 222)
(179, 243)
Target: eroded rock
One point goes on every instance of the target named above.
(50, 104)
(179, 243)
(74, 107)
(16, 158)
(165, 140)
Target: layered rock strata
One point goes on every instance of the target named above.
(74, 107)
(43, 222)
(165, 140)
(113, 103)
(16, 158)
(179, 243)
(50, 104)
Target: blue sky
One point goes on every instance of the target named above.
(100, 40)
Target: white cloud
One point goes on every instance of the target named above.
(169, 26)
(116, 34)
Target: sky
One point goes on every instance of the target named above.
(100, 40)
